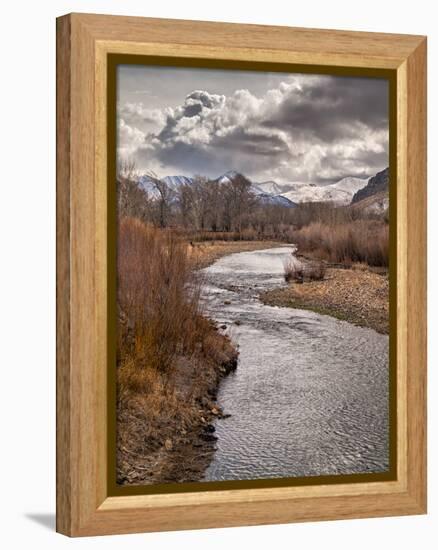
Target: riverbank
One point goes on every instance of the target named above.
(170, 360)
(165, 430)
(310, 394)
(356, 295)
(165, 434)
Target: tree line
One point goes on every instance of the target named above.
(200, 206)
(207, 208)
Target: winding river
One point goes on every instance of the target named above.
(310, 393)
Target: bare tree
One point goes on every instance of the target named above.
(215, 205)
(200, 206)
(205, 205)
(164, 198)
(243, 200)
(184, 202)
(132, 199)
(127, 169)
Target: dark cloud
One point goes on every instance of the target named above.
(197, 104)
(248, 141)
(330, 108)
(309, 128)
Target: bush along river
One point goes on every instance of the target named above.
(310, 393)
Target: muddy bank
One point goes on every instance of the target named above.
(165, 429)
(166, 434)
(356, 295)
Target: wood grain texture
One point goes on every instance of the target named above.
(416, 257)
(83, 42)
(402, 274)
(63, 403)
(395, 47)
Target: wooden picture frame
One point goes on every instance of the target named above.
(84, 506)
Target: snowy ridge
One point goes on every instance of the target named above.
(273, 193)
(340, 192)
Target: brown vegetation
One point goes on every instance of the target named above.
(170, 358)
(359, 241)
(297, 271)
(157, 297)
(340, 234)
(207, 210)
(203, 209)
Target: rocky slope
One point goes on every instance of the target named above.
(377, 184)
(374, 204)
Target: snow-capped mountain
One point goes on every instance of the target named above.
(349, 184)
(271, 192)
(271, 187)
(276, 200)
(175, 181)
(229, 176)
(145, 182)
(266, 191)
(340, 192)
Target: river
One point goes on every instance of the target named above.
(310, 393)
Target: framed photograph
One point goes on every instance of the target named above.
(241, 274)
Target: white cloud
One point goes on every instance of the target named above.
(311, 128)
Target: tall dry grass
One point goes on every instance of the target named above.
(358, 241)
(157, 296)
(160, 323)
(170, 358)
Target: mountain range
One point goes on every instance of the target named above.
(346, 191)
(174, 182)
(340, 192)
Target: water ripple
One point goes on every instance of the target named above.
(310, 394)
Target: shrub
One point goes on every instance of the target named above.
(300, 272)
(293, 270)
(358, 241)
(315, 271)
(157, 296)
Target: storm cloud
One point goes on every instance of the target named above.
(297, 128)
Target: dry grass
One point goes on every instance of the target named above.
(157, 297)
(248, 234)
(170, 358)
(358, 241)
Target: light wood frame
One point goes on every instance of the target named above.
(83, 504)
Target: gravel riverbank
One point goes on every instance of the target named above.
(357, 295)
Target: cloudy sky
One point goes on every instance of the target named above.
(269, 126)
